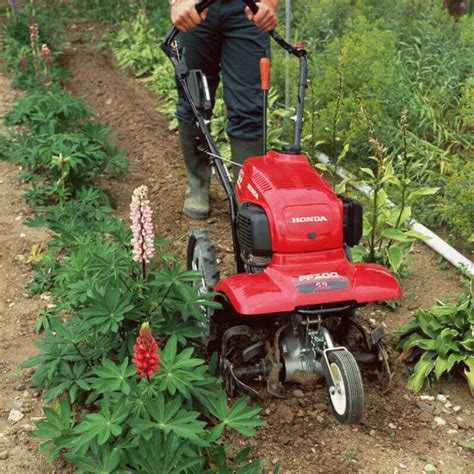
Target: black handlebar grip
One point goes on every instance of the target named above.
(173, 33)
(252, 5)
(201, 6)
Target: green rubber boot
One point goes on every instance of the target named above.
(241, 150)
(196, 199)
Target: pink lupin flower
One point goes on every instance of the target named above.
(34, 38)
(142, 226)
(45, 50)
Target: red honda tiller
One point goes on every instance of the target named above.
(289, 311)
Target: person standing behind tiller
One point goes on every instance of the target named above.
(226, 37)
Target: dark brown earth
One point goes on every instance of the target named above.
(398, 432)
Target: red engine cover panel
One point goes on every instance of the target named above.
(304, 213)
(292, 281)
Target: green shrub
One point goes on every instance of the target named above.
(458, 202)
(136, 45)
(441, 341)
(371, 72)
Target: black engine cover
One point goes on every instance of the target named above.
(353, 223)
(253, 231)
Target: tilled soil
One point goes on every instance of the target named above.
(398, 433)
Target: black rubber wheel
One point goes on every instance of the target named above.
(201, 257)
(347, 397)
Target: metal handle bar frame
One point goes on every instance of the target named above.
(175, 54)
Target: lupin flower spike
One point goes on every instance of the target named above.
(45, 51)
(13, 7)
(145, 355)
(142, 226)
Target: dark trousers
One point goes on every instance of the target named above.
(227, 42)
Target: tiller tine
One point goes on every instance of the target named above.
(241, 330)
(255, 350)
(376, 351)
(276, 389)
(231, 381)
(383, 358)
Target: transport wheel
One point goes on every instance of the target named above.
(347, 396)
(201, 257)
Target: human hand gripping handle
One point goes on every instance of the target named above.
(263, 13)
(199, 8)
(187, 14)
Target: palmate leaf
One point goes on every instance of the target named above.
(101, 426)
(57, 429)
(108, 462)
(107, 308)
(71, 378)
(53, 354)
(168, 416)
(167, 451)
(112, 377)
(239, 417)
(177, 370)
(172, 275)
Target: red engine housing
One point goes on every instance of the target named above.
(297, 202)
(306, 226)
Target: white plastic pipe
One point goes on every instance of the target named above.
(436, 243)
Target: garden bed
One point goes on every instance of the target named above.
(398, 432)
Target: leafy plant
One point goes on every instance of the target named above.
(86, 357)
(52, 112)
(387, 237)
(440, 340)
(457, 201)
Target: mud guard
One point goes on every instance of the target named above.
(293, 281)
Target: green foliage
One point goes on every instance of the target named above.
(52, 112)
(370, 72)
(136, 45)
(440, 340)
(458, 201)
(111, 11)
(18, 55)
(102, 416)
(399, 55)
(62, 152)
(387, 239)
(57, 429)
